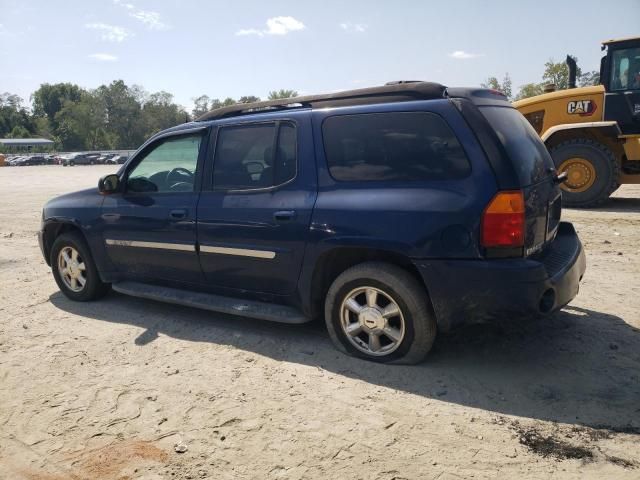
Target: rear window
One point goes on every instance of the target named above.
(523, 145)
(401, 146)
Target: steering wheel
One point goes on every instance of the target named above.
(177, 176)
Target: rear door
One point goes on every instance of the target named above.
(255, 210)
(535, 171)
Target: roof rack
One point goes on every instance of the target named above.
(392, 92)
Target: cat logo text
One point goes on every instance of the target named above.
(581, 107)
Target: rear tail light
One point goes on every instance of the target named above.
(503, 221)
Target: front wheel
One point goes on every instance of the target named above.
(74, 270)
(592, 172)
(380, 312)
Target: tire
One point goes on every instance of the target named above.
(390, 283)
(72, 163)
(601, 162)
(93, 288)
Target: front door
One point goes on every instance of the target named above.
(150, 228)
(253, 219)
(622, 100)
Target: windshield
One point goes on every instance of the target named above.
(523, 145)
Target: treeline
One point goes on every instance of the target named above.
(556, 73)
(114, 116)
(119, 116)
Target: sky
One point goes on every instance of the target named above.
(235, 48)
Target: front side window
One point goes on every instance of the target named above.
(401, 146)
(625, 69)
(168, 167)
(255, 156)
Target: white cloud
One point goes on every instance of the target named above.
(103, 57)
(249, 31)
(353, 27)
(110, 33)
(283, 25)
(275, 26)
(149, 18)
(462, 55)
(152, 20)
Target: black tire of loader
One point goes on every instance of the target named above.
(604, 163)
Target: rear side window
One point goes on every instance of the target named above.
(254, 156)
(400, 146)
(530, 157)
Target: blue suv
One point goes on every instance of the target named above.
(393, 212)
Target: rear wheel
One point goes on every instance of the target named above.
(379, 312)
(74, 270)
(592, 172)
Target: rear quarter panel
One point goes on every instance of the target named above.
(438, 219)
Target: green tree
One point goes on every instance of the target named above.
(248, 99)
(19, 132)
(49, 99)
(201, 106)
(589, 78)
(529, 90)
(160, 112)
(123, 113)
(13, 114)
(82, 124)
(278, 94)
(557, 73)
(504, 87)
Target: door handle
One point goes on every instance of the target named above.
(178, 214)
(284, 215)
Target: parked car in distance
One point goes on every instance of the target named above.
(117, 159)
(392, 212)
(68, 159)
(80, 159)
(34, 160)
(104, 158)
(91, 159)
(16, 160)
(51, 159)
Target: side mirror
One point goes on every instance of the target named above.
(109, 184)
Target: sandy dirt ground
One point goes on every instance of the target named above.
(106, 390)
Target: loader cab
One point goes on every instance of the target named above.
(620, 75)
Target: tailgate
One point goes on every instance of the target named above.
(543, 205)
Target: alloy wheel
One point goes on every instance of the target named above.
(372, 321)
(72, 269)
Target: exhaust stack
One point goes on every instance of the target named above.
(571, 63)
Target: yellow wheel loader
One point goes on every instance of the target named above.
(593, 133)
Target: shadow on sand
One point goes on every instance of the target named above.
(619, 205)
(578, 366)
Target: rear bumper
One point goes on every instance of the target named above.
(468, 291)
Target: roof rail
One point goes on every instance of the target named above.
(395, 92)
